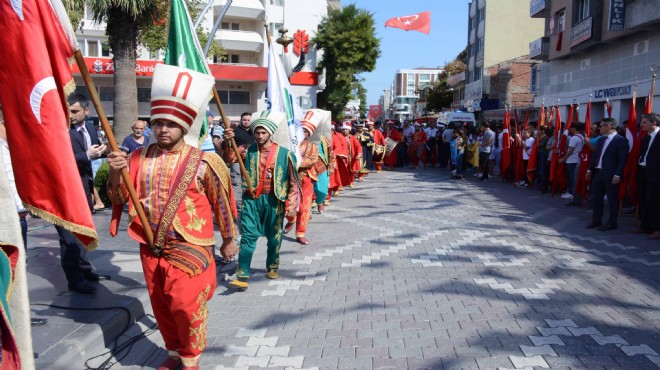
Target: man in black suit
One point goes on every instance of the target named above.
(605, 171)
(86, 146)
(648, 178)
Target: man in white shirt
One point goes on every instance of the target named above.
(431, 144)
(648, 178)
(572, 160)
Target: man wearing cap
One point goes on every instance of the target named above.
(367, 146)
(272, 171)
(181, 189)
(393, 134)
(417, 149)
(341, 148)
(379, 139)
(354, 152)
(307, 175)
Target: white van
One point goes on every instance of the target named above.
(458, 118)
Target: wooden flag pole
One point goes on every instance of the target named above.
(226, 124)
(103, 119)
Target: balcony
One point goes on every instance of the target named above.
(538, 9)
(539, 49)
(240, 40)
(246, 9)
(582, 32)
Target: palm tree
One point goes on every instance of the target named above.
(124, 19)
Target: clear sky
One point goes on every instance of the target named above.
(411, 49)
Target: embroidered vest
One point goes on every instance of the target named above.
(193, 217)
(280, 169)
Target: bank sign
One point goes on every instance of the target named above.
(613, 92)
(617, 17)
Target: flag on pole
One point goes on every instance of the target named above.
(505, 159)
(585, 157)
(282, 99)
(417, 22)
(183, 50)
(37, 43)
(629, 181)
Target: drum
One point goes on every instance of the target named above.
(379, 153)
(389, 146)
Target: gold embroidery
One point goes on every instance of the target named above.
(201, 315)
(196, 223)
(173, 203)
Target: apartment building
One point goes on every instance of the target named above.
(597, 50)
(241, 78)
(406, 88)
(498, 31)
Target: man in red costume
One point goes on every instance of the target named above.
(417, 149)
(379, 139)
(354, 152)
(309, 152)
(181, 188)
(341, 148)
(395, 135)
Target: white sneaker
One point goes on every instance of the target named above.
(522, 185)
(566, 196)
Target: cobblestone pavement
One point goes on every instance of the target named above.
(411, 270)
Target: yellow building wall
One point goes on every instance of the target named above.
(508, 30)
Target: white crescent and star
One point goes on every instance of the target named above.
(408, 19)
(37, 95)
(17, 5)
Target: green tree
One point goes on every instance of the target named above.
(130, 23)
(440, 95)
(347, 39)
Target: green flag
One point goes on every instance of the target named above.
(183, 49)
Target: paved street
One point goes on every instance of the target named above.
(411, 270)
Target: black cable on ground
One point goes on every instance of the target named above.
(116, 349)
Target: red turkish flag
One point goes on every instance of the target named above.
(375, 111)
(417, 22)
(629, 181)
(37, 43)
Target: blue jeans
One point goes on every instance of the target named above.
(459, 163)
(571, 168)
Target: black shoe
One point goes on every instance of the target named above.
(571, 204)
(593, 225)
(38, 322)
(93, 276)
(608, 227)
(82, 287)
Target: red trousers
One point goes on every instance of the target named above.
(179, 303)
(305, 207)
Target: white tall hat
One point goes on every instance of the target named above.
(179, 94)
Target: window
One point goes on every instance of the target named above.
(477, 47)
(234, 97)
(477, 74)
(274, 28)
(233, 59)
(560, 20)
(106, 93)
(143, 94)
(89, 14)
(105, 49)
(470, 23)
(581, 10)
(92, 48)
(424, 79)
(229, 26)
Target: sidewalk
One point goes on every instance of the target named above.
(406, 270)
(80, 326)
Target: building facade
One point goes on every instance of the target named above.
(598, 50)
(242, 77)
(498, 31)
(407, 86)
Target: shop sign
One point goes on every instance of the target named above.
(613, 92)
(582, 31)
(617, 17)
(536, 48)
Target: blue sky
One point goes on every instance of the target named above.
(412, 49)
